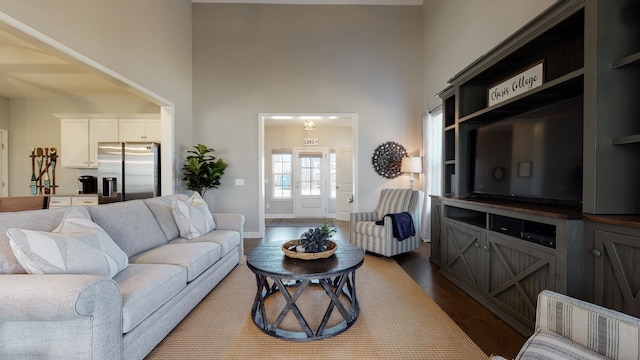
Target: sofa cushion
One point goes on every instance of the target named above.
(130, 224)
(227, 239)
(192, 216)
(195, 257)
(47, 221)
(145, 288)
(545, 344)
(161, 208)
(393, 201)
(76, 246)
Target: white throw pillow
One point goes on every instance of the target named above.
(76, 246)
(193, 216)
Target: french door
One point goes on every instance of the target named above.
(310, 178)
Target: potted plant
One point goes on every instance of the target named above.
(317, 239)
(313, 244)
(201, 170)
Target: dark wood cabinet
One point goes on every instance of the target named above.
(436, 229)
(487, 253)
(517, 272)
(462, 256)
(590, 50)
(614, 266)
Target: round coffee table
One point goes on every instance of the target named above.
(278, 274)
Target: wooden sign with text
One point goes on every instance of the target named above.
(516, 85)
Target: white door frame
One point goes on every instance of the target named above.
(268, 117)
(4, 187)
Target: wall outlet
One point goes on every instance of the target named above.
(239, 182)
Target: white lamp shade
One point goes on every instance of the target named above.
(411, 165)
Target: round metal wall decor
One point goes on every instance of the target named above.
(387, 159)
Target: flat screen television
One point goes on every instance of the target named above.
(534, 156)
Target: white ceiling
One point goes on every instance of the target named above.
(32, 69)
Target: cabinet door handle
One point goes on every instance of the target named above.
(476, 245)
(485, 248)
(596, 253)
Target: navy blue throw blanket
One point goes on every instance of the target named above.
(402, 224)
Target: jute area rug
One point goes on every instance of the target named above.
(298, 222)
(398, 320)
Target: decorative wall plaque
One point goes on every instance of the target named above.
(387, 159)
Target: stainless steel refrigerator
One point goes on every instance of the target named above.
(128, 171)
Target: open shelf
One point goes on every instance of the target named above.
(467, 216)
(562, 88)
(627, 60)
(622, 140)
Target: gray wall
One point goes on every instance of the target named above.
(457, 32)
(251, 59)
(146, 41)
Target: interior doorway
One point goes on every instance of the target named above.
(281, 133)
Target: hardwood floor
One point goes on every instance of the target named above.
(491, 334)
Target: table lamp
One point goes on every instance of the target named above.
(411, 165)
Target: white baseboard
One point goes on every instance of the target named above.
(251, 235)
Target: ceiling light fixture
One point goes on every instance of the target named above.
(309, 125)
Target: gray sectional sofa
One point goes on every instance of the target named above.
(64, 316)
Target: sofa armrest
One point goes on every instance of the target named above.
(230, 222)
(60, 316)
(608, 332)
(233, 222)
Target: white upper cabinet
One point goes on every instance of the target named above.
(81, 133)
(74, 143)
(80, 138)
(101, 130)
(139, 129)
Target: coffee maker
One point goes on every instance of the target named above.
(87, 184)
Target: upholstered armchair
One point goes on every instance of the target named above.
(380, 239)
(568, 328)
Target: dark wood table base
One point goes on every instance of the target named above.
(333, 287)
(282, 281)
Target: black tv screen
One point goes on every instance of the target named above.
(536, 155)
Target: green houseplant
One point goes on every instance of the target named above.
(317, 239)
(202, 171)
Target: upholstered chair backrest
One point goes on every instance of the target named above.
(393, 201)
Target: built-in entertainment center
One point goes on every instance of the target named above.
(540, 134)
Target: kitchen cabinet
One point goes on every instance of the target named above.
(80, 138)
(74, 143)
(100, 130)
(72, 200)
(139, 129)
(84, 200)
(59, 201)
